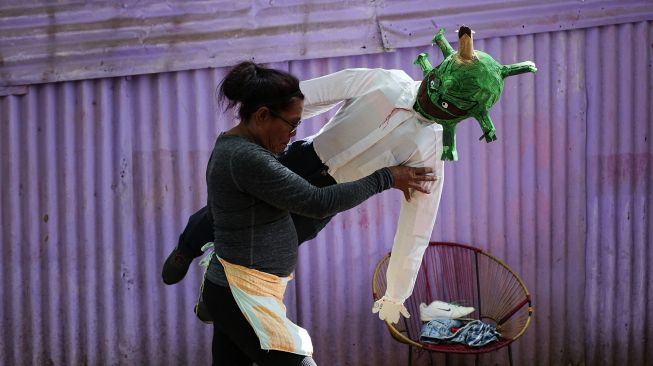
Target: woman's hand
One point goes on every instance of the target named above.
(407, 178)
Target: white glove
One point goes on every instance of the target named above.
(389, 310)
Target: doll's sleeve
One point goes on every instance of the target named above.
(416, 221)
(323, 93)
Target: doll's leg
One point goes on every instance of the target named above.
(198, 231)
(300, 157)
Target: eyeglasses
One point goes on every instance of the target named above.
(293, 127)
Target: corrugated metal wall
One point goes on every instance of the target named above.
(49, 41)
(98, 178)
(619, 281)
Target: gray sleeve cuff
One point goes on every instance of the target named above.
(386, 179)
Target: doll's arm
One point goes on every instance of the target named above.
(323, 93)
(414, 228)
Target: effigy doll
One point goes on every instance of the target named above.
(387, 119)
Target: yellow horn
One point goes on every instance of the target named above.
(465, 45)
(466, 48)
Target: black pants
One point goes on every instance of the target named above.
(234, 341)
(300, 157)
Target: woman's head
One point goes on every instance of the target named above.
(269, 102)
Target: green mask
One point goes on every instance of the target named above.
(466, 84)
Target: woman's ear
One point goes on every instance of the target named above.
(261, 114)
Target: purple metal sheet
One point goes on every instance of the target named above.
(44, 41)
(411, 23)
(99, 176)
(619, 196)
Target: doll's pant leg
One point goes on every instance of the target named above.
(300, 157)
(198, 231)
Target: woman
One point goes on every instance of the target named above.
(250, 197)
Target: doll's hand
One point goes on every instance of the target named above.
(389, 310)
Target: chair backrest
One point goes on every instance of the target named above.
(466, 275)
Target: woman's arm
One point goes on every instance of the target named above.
(259, 173)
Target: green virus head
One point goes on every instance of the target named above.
(465, 84)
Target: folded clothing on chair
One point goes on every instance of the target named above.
(473, 333)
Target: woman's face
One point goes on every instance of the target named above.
(281, 126)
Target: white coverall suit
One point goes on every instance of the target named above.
(377, 127)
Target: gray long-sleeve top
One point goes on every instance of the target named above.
(251, 195)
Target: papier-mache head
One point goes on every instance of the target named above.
(467, 83)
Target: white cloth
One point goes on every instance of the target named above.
(377, 127)
(259, 296)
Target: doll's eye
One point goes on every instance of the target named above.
(432, 84)
(445, 105)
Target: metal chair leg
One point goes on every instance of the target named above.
(510, 355)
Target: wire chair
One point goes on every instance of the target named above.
(462, 274)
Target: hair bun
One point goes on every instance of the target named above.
(237, 83)
(250, 86)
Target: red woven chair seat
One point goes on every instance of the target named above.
(462, 348)
(453, 273)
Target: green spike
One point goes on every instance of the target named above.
(449, 143)
(423, 61)
(442, 42)
(518, 68)
(489, 132)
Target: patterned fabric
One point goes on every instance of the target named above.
(259, 296)
(474, 333)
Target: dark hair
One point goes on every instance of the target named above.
(250, 86)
